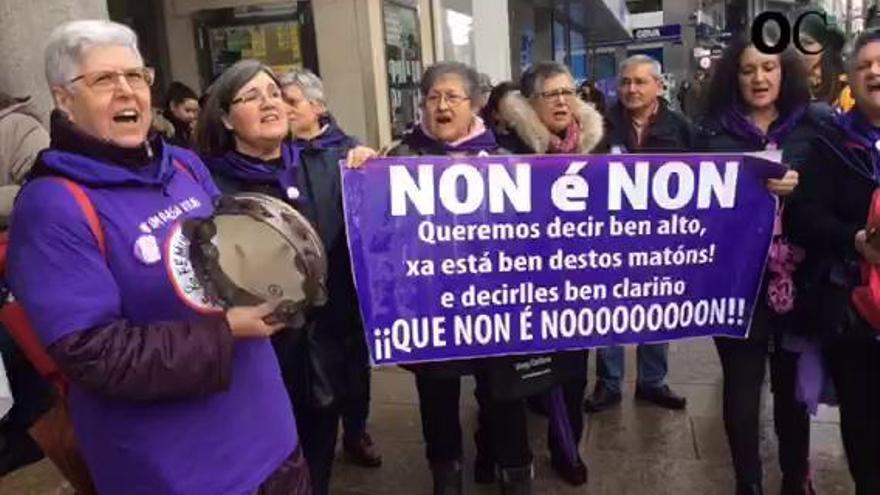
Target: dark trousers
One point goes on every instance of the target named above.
(502, 429)
(855, 369)
(355, 406)
(744, 366)
(317, 426)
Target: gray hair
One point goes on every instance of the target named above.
(440, 69)
(641, 59)
(307, 81)
(69, 42)
(863, 40)
(532, 80)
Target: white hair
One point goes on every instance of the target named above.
(307, 81)
(69, 42)
(641, 59)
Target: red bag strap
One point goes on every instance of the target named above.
(183, 168)
(13, 317)
(17, 324)
(88, 209)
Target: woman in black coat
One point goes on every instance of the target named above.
(243, 136)
(769, 111)
(450, 127)
(545, 116)
(828, 216)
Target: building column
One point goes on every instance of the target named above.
(352, 61)
(25, 26)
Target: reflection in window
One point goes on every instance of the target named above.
(458, 39)
(457, 17)
(559, 42)
(578, 55)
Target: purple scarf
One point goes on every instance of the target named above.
(862, 134)
(332, 137)
(239, 167)
(735, 121)
(417, 139)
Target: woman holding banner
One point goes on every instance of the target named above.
(769, 111)
(242, 135)
(834, 215)
(547, 116)
(450, 127)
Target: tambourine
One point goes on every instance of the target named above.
(254, 249)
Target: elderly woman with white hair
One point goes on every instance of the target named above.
(321, 144)
(167, 395)
(244, 136)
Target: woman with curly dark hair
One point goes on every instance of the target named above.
(759, 102)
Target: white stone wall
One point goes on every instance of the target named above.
(24, 27)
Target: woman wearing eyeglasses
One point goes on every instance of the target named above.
(548, 117)
(243, 137)
(450, 126)
(166, 395)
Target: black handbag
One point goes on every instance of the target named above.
(516, 377)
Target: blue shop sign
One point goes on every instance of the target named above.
(669, 32)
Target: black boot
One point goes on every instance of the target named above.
(800, 487)
(447, 478)
(574, 474)
(601, 399)
(749, 489)
(516, 481)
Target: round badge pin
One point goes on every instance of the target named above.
(877, 145)
(146, 250)
(292, 193)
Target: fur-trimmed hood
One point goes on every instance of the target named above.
(517, 115)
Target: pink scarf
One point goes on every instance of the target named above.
(568, 144)
(477, 128)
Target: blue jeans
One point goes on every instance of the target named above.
(652, 366)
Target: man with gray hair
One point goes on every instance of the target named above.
(640, 122)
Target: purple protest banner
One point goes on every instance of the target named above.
(469, 257)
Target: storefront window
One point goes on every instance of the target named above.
(559, 41)
(578, 55)
(404, 62)
(458, 31)
(280, 36)
(604, 65)
(274, 43)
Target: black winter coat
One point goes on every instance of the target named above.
(669, 132)
(711, 136)
(828, 208)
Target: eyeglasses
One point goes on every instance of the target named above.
(108, 80)
(556, 93)
(452, 99)
(255, 95)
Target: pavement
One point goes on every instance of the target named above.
(633, 449)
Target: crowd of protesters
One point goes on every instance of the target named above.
(166, 399)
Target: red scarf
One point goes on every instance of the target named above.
(569, 144)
